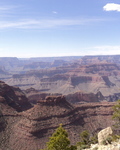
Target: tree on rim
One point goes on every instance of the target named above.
(59, 140)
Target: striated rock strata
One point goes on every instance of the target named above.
(13, 97)
(31, 129)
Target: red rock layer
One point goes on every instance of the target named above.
(33, 127)
(14, 97)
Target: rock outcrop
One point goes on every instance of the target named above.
(30, 129)
(81, 97)
(13, 97)
(103, 144)
(38, 123)
(103, 134)
(26, 127)
(34, 96)
(112, 146)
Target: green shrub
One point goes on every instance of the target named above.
(116, 114)
(104, 142)
(82, 147)
(94, 139)
(86, 140)
(115, 137)
(95, 148)
(109, 139)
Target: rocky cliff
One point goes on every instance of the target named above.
(29, 128)
(93, 78)
(13, 97)
(78, 97)
(101, 58)
(81, 97)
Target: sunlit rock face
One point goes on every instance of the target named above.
(103, 77)
(103, 134)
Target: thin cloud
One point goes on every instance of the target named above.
(8, 11)
(112, 7)
(46, 24)
(97, 50)
(54, 12)
(105, 50)
(5, 8)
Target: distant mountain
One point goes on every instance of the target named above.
(93, 78)
(66, 75)
(101, 58)
(51, 59)
(20, 65)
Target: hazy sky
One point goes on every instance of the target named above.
(36, 28)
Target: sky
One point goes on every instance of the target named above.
(47, 28)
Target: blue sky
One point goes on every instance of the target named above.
(37, 28)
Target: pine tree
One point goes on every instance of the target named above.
(59, 140)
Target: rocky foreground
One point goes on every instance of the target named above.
(113, 146)
(102, 136)
(28, 127)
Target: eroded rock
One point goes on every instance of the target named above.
(103, 134)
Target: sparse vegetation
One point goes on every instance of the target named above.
(95, 148)
(86, 140)
(94, 139)
(116, 114)
(110, 139)
(115, 137)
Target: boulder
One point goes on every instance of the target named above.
(103, 134)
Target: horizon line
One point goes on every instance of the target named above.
(58, 56)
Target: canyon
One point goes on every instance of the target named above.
(65, 75)
(27, 127)
(38, 94)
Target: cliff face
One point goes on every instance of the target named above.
(13, 97)
(80, 97)
(30, 129)
(38, 123)
(65, 76)
(93, 78)
(101, 58)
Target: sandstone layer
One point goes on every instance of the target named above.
(93, 78)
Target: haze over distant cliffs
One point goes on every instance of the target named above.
(66, 75)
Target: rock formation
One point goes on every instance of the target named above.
(102, 137)
(93, 78)
(103, 134)
(38, 123)
(29, 128)
(81, 97)
(13, 97)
